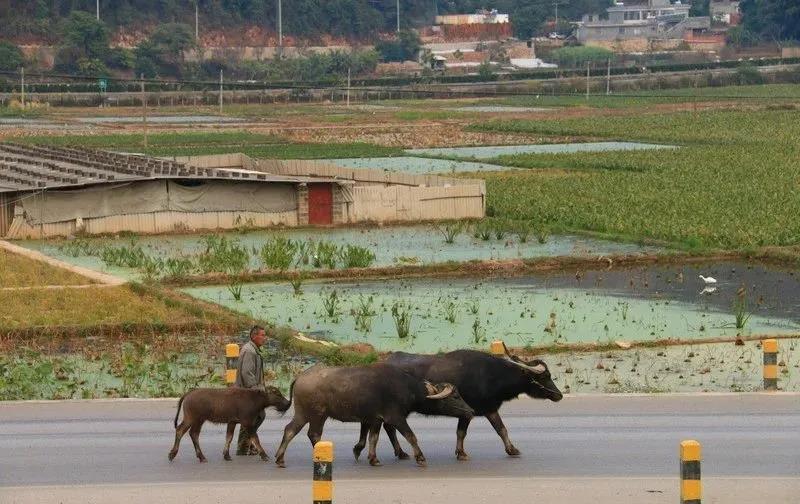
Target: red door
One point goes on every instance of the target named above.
(320, 204)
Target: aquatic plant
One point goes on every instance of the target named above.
(478, 332)
(363, 313)
(450, 312)
(222, 255)
(522, 230)
(473, 307)
(303, 253)
(235, 288)
(177, 268)
(542, 235)
(79, 247)
(126, 256)
(401, 313)
(331, 304)
(278, 253)
(450, 230)
(482, 230)
(740, 309)
(324, 254)
(297, 283)
(152, 268)
(500, 228)
(354, 256)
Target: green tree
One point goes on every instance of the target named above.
(82, 31)
(10, 56)
(405, 47)
(772, 19)
(163, 52)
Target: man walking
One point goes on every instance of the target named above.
(250, 375)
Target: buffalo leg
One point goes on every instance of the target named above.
(461, 433)
(179, 432)
(362, 440)
(194, 433)
(315, 430)
(391, 432)
(291, 430)
(374, 432)
(254, 441)
(226, 453)
(500, 428)
(402, 425)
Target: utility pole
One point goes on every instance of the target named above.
(144, 112)
(587, 80)
(97, 5)
(608, 78)
(22, 86)
(196, 22)
(220, 91)
(280, 24)
(348, 87)
(398, 16)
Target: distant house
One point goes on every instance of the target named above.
(483, 25)
(641, 19)
(725, 11)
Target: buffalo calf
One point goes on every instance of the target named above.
(229, 406)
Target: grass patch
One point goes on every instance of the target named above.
(155, 140)
(734, 186)
(19, 271)
(286, 151)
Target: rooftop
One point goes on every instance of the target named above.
(31, 168)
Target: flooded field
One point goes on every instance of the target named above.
(642, 304)
(164, 119)
(501, 108)
(412, 164)
(505, 150)
(419, 244)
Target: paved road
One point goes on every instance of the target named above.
(594, 442)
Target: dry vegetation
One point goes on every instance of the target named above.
(18, 271)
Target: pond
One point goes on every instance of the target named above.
(501, 108)
(489, 152)
(410, 164)
(165, 119)
(392, 245)
(639, 304)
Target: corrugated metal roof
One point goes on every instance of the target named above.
(33, 167)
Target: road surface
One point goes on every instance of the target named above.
(584, 449)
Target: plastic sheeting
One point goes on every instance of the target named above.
(156, 196)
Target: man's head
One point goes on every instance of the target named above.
(258, 335)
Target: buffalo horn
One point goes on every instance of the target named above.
(537, 369)
(446, 391)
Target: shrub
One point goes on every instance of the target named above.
(278, 253)
(354, 256)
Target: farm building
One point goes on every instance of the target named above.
(48, 191)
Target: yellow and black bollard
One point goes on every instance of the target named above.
(770, 348)
(322, 487)
(691, 487)
(498, 348)
(231, 358)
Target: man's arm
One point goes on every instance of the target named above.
(249, 370)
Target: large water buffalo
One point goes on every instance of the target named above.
(484, 381)
(371, 395)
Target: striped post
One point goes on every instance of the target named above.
(691, 487)
(770, 348)
(322, 486)
(498, 348)
(231, 358)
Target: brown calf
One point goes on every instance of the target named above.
(226, 405)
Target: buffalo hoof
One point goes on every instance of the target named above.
(513, 452)
(374, 462)
(421, 461)
(171, 456)
(227, 456)
(462, 456)
(357, 451)
(281, 464)
(265, 457)
(402, 455)
(203, 460)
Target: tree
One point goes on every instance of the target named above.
(772, 20)
(163, 52)
(10, 56)
(84, 32)
(405, 47)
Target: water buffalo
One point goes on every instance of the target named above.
(485, 383)
(229, 405)
(371, 395)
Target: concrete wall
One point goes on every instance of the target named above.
(398, 203)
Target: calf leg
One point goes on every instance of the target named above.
(461, 433)
(362, 440)
(374, 432)
(291, 430)
(391, 432)
(179, 432)
(402, 425)
(500, 428)
(226, 453)
(194, 433)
